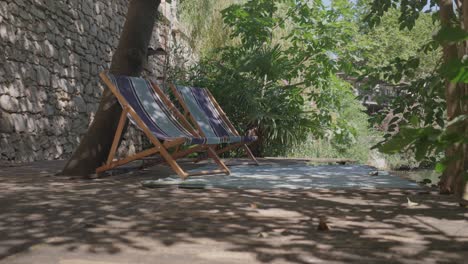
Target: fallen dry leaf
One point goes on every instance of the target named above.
(323, 226)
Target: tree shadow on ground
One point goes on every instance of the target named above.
(114, 216)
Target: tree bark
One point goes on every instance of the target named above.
(452, 180)
(464, 103)
(128, 59)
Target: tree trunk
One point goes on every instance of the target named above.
(464, 102)
(128, 59)
(453, 177)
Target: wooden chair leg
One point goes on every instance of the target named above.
(250, 154)
(216, 159)
(234, 146)
(174, 165)
(115, 143)
(118, 133)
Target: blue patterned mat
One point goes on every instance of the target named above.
(292, 177)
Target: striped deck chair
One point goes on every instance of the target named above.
(151, 111)
(209, 119)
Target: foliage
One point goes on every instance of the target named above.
(282, 87)
(274, 111)
(385, 54)
(204, 23)
(384, 44)
(353, 142)
(273, 64)
(420, 109)
(410, 11)
(253, 21)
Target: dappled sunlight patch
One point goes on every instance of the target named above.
(357, 201)
(82, 261)
(388, 235)
(276, 213)
(457, 230)
(217, 256)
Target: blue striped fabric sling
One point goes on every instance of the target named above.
(155, 114)
(207, 115)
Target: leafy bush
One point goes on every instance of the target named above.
(353, 142)
(281, 88)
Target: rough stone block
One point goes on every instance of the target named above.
(19, 122)
(79, 104)
(3, 31)
(49, 49)
(43, 76)
(6, 125)
(9, 104)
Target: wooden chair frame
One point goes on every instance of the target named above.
(225, 119)
(159, 147)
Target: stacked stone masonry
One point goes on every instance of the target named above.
(51, 52)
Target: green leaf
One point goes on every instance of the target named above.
(440, 167)
(414, 120)
(422, 150)
(455, 70)
(451, 34)
(413, 63)
(396, 144)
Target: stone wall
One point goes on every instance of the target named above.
(51, 52)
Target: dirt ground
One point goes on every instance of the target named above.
(51, 219)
